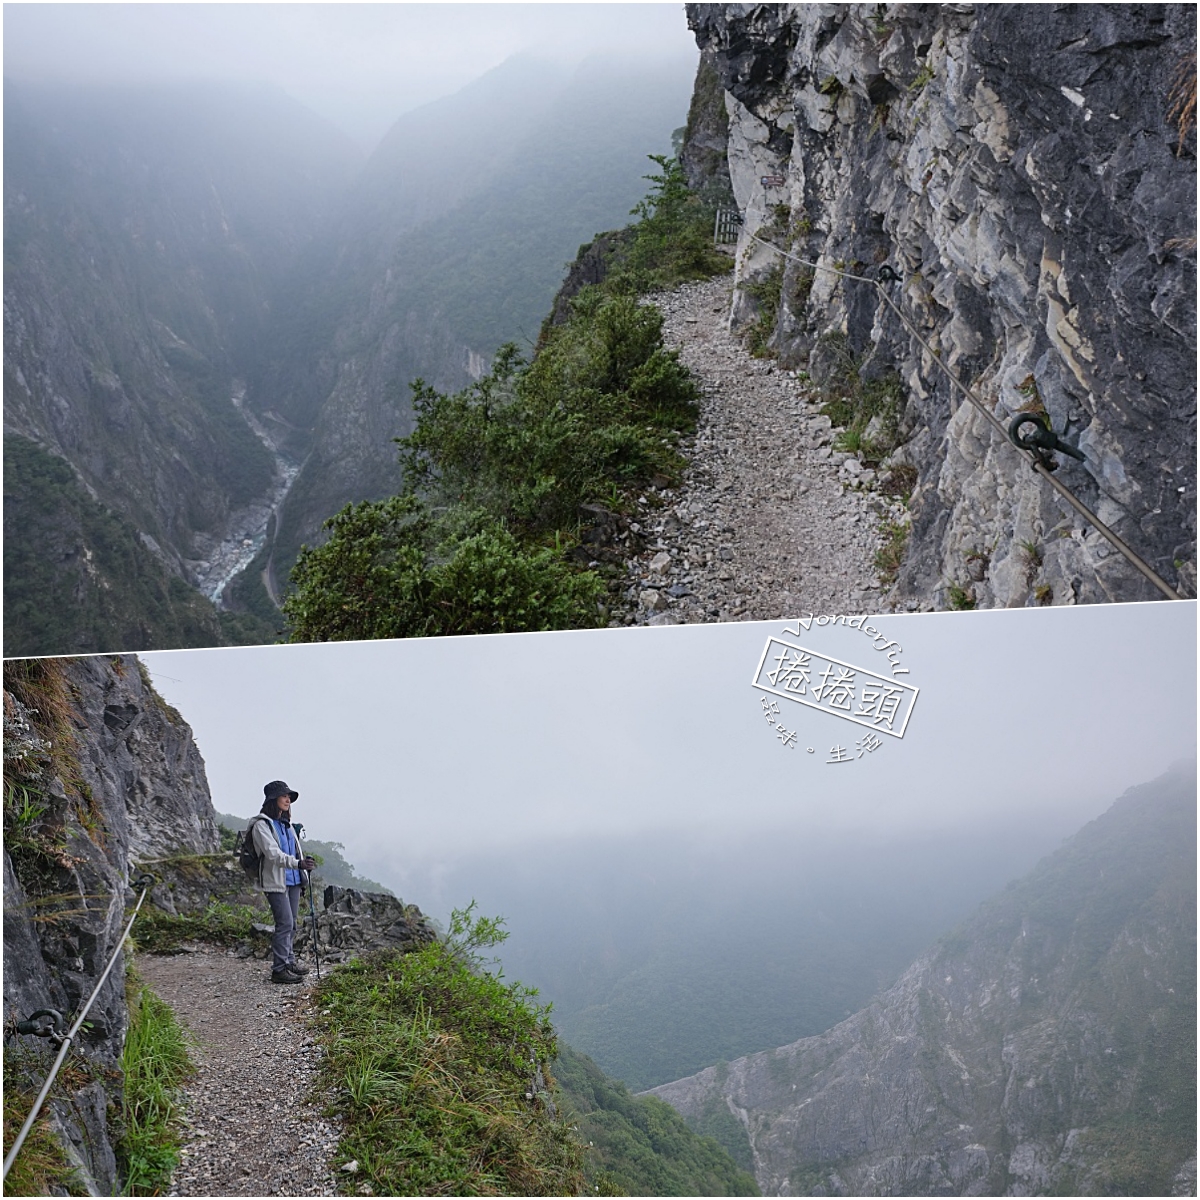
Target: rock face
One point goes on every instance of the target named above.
(1026, 173)
(149, 234)
(1046, 1046)
(351, 922)
(125, 782)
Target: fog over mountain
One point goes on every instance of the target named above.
(360, 66)
(683, 888)
(215, 302)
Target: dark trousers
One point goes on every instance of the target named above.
(285, 907)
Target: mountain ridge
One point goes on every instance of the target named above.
(1021, 1033)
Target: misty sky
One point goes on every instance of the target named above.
(425, 750)
(359, 65)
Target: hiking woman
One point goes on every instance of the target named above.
(281, 875)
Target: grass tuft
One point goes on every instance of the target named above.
(156, 1062)
(857, 405)
(890, 555)
(961, 599)
(439, 1071)
(159, 932)
(41, 1168)
(765, 292)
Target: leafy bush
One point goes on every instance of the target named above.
(390, 570)
(673, 236)
(496, 474)
(434, 1065)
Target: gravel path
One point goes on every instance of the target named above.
(769, 521)
(252, 1127)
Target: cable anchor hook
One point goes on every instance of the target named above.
(1041, 441)
(47, 1023)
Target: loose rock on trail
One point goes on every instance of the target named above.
(253, 1126)
(769, 520)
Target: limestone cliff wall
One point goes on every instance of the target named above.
(1026, 171)
(100, 774)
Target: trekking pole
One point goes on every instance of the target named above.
(312, 905)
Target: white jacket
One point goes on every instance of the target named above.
(273, 863)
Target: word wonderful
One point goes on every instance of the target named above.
(892, 648)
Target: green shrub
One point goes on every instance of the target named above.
(390, 570)
(433, 1063)
(496, 474)
(673, 235)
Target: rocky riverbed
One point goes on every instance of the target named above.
(769, 520)
(222, 560)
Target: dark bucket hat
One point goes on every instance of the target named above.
(277, 788)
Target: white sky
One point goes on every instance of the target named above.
(360, 65)
(422, 751)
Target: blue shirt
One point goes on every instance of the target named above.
(286, 836)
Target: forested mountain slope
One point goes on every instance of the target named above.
(1046, 1045)
(454, 241)
(147, 232)
(206, 293)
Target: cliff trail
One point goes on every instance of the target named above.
(768, 519)
(253, 1128)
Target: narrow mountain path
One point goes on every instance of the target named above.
(769, 521)
(253, 1126)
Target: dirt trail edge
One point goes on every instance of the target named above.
(769, 521)
(252, 1126)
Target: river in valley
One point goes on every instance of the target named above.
(247, 530)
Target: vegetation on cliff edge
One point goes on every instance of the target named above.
(639, 1145)
(438, 1070)
(496, 475)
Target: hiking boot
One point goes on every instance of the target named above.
(287, 975)
(297, 969)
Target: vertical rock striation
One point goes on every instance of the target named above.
(1027, 173)
(118, 779)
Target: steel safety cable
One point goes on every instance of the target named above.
(1110, 535)
(146, 881)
